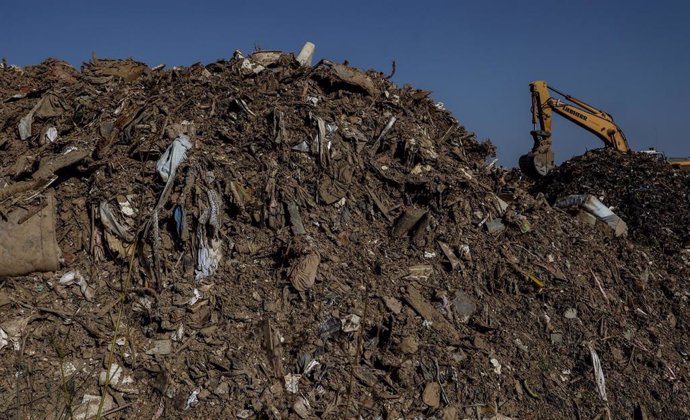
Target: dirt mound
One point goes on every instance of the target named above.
(651, 196)
(258, 238)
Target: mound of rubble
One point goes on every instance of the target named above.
(646, 192)
(263, 238)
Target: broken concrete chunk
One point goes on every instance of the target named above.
(248, 66)
(305, 56)
(393, 304)
(89, 406)
(570, 313)
(161, 347)
(292, 383)
(119, 379)
(222, 389)
(450, 413)
(495, 226)
(351, 323)
(464, 306)
(4, 339)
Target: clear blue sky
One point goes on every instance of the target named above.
(630, 58)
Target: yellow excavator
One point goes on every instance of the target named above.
(540, 160)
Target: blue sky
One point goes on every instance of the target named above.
(630, 58)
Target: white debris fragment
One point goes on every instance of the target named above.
(292, 382)
(192, 400)
(178, 335)
(464, 251)
(312, 364)
(114, 377)
(521, 345)
(118, 379)
(3, 339)
(161, 347)
(305, 56)
(51, 134)
(249, 66)
(125, 205)
(244, 413)
(74, 277)
(68, 369)
(386, 129)
(570, 313)
(419, 169)
(598, 373)
(13, 330)
(429, 254)
(497, 366)
(350, 323)
(194, 299)
(208, 256)
(90, 405)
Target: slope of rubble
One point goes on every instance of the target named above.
(651, 196)
(254, 238)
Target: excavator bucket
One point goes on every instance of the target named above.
(540, 161)
(536, 165)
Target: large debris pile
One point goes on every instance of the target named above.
(651, 196)
(260, 238)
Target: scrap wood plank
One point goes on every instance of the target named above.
(429, 313)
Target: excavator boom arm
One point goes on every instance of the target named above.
(540, 160)
(606, 130)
